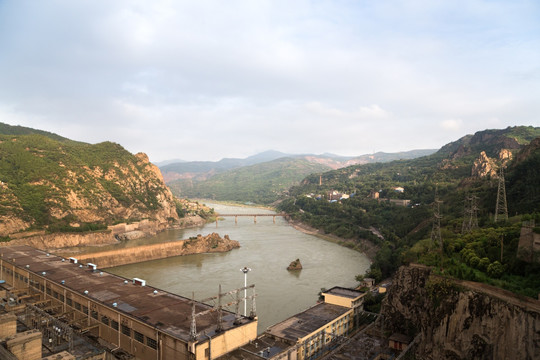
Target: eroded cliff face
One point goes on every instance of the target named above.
(485, 166)
(461, 319)
(128, 189)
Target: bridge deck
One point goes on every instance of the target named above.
(223, 215)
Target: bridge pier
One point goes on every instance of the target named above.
(235, 219)
(255, 219)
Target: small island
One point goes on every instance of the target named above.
(295, 265)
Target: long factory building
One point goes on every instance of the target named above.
(144, 321)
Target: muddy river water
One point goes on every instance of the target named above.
(267, 248)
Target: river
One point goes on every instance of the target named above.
(267, 248)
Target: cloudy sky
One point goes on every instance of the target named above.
(203, 80)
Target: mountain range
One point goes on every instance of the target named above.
(262, 178)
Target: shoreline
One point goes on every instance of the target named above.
(361, 245)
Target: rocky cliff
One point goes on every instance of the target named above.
(63, 186)
(197, 245)
(461, 319)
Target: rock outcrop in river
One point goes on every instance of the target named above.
(461, 319)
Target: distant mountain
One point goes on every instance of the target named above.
(168, 162)
(202, 170)
(253, 179)
(261, 183)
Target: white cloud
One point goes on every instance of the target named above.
(244, 76)
(452, 124)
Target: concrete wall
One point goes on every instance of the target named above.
(210, 243)
(8, 325)
(26, 345)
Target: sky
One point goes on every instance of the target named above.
(204, 80)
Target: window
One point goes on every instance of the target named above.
(114, 325)
(61, 297)
(85, 310)
(69, 302)
(105, 320)
(138, 336)
(94, 314)
(126, 330)
(77, 306)
(151, 343)
(48, 291)
(55, 294)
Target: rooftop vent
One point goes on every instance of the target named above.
(101, 273)
(48, 254)
(114, 304)
(125, 282)
(73, 260)
(44, 273)
(86, 292)
(63, 281)
(63, 260)
(27, 266)
(155, 292)
(137, 281)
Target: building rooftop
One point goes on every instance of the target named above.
(166, 311)
(306, 322)
(263, 347)
(344, 292)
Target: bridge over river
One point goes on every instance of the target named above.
(254, 216)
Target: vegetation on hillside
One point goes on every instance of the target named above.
(40, 172)
(261, 183)
(446, 176)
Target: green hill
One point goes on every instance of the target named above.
(451, 175)
(261, 183)
(50, 182)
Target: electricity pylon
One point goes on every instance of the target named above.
(501, 209)
(470, 219)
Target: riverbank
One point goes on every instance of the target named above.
(361, 245)
(196, 245)
(113, 235)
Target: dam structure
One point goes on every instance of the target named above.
(126, 314)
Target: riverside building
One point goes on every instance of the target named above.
(123, 314)
(309, 334)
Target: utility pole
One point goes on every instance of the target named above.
(245, 270)
(501, 209)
